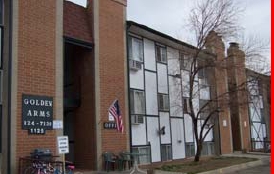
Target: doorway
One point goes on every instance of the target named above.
(79, 103)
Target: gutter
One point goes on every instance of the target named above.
(9, 89)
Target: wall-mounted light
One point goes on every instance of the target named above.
(162, 131)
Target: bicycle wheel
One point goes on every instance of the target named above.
(57, 171)
(69, 172)
(30, 170)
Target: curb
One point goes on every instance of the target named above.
(165, 172)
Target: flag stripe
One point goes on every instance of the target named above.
(114, 110)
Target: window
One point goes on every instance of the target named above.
(262, 116)
(185, 62)
(161, 55)
(186, 105)
(1, 86)
(163, 102)
(190, 149)
(166, 152)
(202, 73)
(137, 102)
(142, 159)
(1, 41)
(1, 11)
(205, 110)
(208, 148)
(135, 49)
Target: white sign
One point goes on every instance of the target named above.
(245, 123)
(57, 124)
(224, 123)
(63, 145)
(110, 117)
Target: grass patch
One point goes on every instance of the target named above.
(205, 164)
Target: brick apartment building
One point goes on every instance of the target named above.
(63, 62)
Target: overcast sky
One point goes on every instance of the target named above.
(170, 16)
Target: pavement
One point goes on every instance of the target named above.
(262, 166)
(262, 162)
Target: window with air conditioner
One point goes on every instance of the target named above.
(135, 49)
(137, 119)
(163, 102)
(135, 65)
(161, 55)
(137, 102)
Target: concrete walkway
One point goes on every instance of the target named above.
(263, 159)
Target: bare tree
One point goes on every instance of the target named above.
(220, 16)
(256, 52)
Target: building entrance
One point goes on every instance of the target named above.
(79, 119)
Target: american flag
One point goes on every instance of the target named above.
(114, 110)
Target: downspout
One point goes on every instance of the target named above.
(128, 25)
(9, 89)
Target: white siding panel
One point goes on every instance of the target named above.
(162, 78)
(188, 128)
(178, 143)
(164, 121)
(137, 78)
(195, 102)
(257, 131)
(173, 61)
(209, 136)
(254, 113)
(138, 134)
(205, 93)
(151, 93)
(153, 138)
(185, 83)
(175, 95)
(149, 55)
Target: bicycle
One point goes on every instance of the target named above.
(39, 167)
(69, 168)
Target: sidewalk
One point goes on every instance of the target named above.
(263, 159)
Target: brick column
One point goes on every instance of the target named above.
(110, 72)
(239, 106)
(216, 46)
(37, 53)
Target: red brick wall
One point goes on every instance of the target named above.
(77, 23)
(112, 70)
(36, 66)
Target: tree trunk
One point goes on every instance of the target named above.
(198, 153)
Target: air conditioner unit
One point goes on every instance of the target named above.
(135, 65)
(137, 119)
